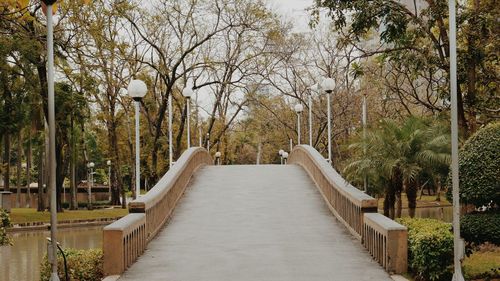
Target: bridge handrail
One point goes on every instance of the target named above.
(347, 202)
(387, 242)
(125, 239)
(159, 202)
(123, 242)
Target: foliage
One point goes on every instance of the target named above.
(414, 62)
(430, 248)
(83, 265)
(396, 154)
(4, 223)
(479, 166)
(478, 228)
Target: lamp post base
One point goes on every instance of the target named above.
(54, 277)
(457, 276)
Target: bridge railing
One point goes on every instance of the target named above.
(385, 239)
(155, 208)
(346, 202)
(123, 242)
(160, 201)
(387, 242)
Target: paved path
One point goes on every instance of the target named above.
(256, 223)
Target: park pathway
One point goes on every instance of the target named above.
(259, 223)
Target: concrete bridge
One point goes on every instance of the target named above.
(300, 221)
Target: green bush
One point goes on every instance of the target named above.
(479, 166)
(4, 223)
(83, 265)
(430, 248)
(481, 227)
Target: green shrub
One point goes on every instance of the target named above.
(4, 223)
(481, 227)
(479, 166)
(430, 248)
(83, 265)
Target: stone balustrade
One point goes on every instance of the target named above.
(387, 242)
(345, 201)
(160, 201)
(123, 242)
(385, 239)
(129, 236)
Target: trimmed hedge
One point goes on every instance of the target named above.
(479, 166)
(430, 248)
(481, 227)
(83, 265)
(4, 223)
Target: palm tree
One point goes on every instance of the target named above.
(397, 155)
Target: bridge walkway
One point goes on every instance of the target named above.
(266, 222)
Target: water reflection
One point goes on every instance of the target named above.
(440, 213)
(21, 262)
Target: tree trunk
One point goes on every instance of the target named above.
(73, 202)
(6, 162)
(60, 174)
(29, 155)
(389, 200)
(19, 168)
(411, 194)
(399, 204)
(116, 183)
(41, 179)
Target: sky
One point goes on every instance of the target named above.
(293, 10)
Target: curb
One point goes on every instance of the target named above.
(398, 278)
(61, 224)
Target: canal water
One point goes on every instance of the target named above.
(21, 262)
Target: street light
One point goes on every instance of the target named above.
(364, 120)
(90, 182)
(285, 157)
(109, 178)
(170, 148)
(309, 103)
(217, 157)
(328, 85)
(281, 155)
(458, 247)
(52, 256)
(137, 90)
(208, 142)
(298, 109)
(187, 92)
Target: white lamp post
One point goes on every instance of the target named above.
(217, 157)
(187, 92)
(109, 178)
(52, 140)
(457, 242)
(137, 90)
(309, 103)
(364, 119)
(328, 85)
(285, 157)
(298, 109)
(90, 182)
(208, 142)
(170, 147)
(281, 155)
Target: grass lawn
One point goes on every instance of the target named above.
(23, 215)
(481, 262)
(426, 201)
